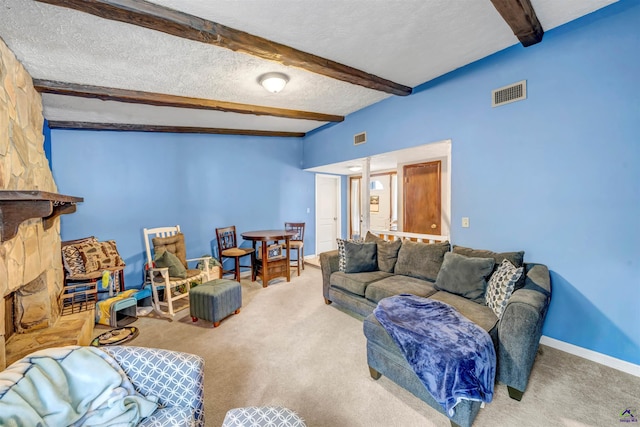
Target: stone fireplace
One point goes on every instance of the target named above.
(31, 272)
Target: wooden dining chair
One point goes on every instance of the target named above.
(228, 248)
(296, 242)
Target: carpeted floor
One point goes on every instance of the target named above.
(286, 347)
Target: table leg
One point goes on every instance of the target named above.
(254, 263)
(265, 265)
(286, 240)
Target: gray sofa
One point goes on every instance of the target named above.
(414, 268)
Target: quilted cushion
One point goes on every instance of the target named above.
(174, 244)
(99, 256)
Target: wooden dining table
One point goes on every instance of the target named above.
(274, 262)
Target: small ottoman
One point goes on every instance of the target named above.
(262, 416)
(215, 300)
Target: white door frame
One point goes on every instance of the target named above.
(337, 180)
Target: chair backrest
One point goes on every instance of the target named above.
(151, 233)
(226, 237)
(297, 227)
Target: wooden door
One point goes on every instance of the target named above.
(422, 198)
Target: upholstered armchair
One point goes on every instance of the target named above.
(156, 388)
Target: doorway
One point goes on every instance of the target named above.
(328, 208)
(422, 198)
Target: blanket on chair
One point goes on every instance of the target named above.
(453, 357)
(70, 386)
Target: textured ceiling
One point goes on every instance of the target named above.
(408, 42)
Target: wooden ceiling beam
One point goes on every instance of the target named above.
(176, 23)
(128, 127)
(522, 19)
(163, 100)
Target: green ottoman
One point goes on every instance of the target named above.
(215, 300)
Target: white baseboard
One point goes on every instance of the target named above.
(603, 359)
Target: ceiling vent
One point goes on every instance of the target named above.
(360, 138)
(512, 93)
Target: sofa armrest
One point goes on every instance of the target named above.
(176, 378)
(520, 328)
(328, 264)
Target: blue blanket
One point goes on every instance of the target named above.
(453, 357)
(70, 386)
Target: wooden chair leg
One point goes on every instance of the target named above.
(238, 269)
(298, 261)
(302, 256)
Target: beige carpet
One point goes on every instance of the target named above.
(288, 348)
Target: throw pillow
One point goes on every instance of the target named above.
(72, 260)
(71, 257)
(387, 251)
(420, 260)
(464, 276)
(174, 244)
(360, 257)
(99, 256)
(501, 286)
(170, 261)
(516, 258)
(341, 260)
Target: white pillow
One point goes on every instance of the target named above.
(501, 285)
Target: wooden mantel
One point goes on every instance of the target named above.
(18, 206)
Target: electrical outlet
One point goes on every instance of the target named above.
(465, 222)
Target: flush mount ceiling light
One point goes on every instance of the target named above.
(273, 82)
(355, 168)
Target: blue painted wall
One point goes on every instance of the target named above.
(557, 175)
(133, 180)
(46, 132)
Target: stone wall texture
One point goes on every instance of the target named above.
(24, 166)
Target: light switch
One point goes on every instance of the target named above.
(465, 222)
(308, 210)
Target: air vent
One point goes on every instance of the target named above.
(360, 138)
(512, 93)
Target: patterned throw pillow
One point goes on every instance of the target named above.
(342, 264)
(71, 257)
(72, 260)
(501, 285)
(99, 256)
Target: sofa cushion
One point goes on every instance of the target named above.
(360, 257)
(479, 314)
(387, 251)
(516, 258)
(464, 276)
(356, 283)
(501, 286)
(420, 260)
(174, 244)
(341, 253)
(396, 285)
